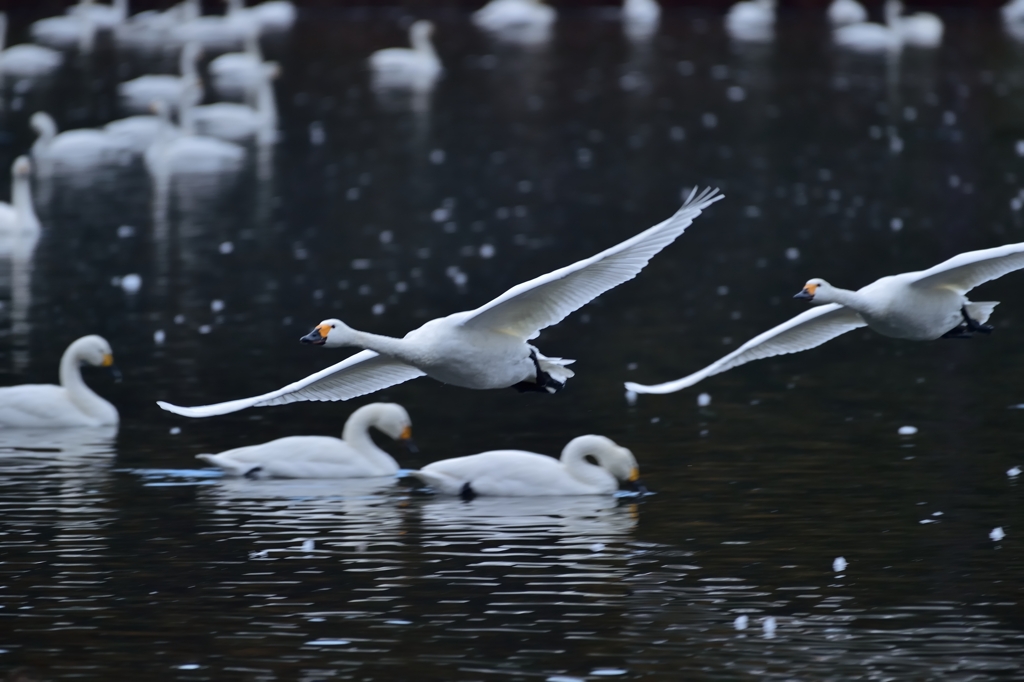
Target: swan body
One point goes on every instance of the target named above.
(218, 32)
(19, 216)
(27, 60)
(868, 37)
(237, 122)
(922, 29)
(640, 18)
(180, 151)
(354, 455)
(918, 306)
(515, 473)
(139, 93)
(481, 349)
(65, 32)
(151, 29)
(272, 15)
(401, 67)
(104, 17)
(237, 73)
(70, 404)
(139, 132)
(843, 12)
(75, 149)
(751, 20)
(1012, 11)
(510, 15)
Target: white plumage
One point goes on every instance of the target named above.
(19, 216)
(75, 150)
(843, 12)
(239, 122)
(26, 60)
(403, 68)
(354, 455)
(70, 404)
(483, 348)
(919, 306)
(751, 20)
(515, 473)
(138, 94)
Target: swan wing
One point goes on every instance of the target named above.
(527, 308)
(365, 372)
(971, 269)
(807, 330)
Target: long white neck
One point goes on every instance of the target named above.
(235, 6)
(81, 395)
(421, 43)
(266, 105)
(357, 434)
(187, 61)
(892, 13)
(384, 345)
(574, 459)
(252, 45)
(21, 198)
(47, 130)
(850, 299)
(121, 7)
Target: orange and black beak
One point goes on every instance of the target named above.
(807, 292)
(318, 336)
(406, 438)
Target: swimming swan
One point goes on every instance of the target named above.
(1013, 11)
(482, 348)
(237, 73)
(70, 404)
(103, 16)
(752, 20)
(640, 18)
(527, 21)
(238, 122)
(920, 306)
(74, 150)
(19, 216)
(354, 455)
(138, 94)
(401, 67)
(922, 29)
(843, 12)
(515, 473)
(26, 60)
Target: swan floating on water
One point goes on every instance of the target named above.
(19, 216)
(404, 68)
(483, 348)
(922, 29)
(75, 150)
(527, 22)
(65, 32)
(640, 18)
(354, 455)
(515, 473)
(751, 20)
(238, 73)
(843, 12)
(271, 15)
(105, 17)
(919, 306)
(70, 404)
(238, 122)
(26, 60)
(138, 94)
(1013, 11)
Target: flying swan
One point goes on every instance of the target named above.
(515, 473)
(482, 348)
(354, 455)
(919, 306)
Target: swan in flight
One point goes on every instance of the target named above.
(19, 216)
(70, 404)
(483, 348)
(26, 60)
(843, 12)
(354, 455)
(919, 306)
(404, 68)
(515, 473)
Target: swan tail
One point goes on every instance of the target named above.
(981, 310)
(556, 368)
(231, 466)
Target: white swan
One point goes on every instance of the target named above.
(843, 12)
(180, 151)
(640, 18)
(483, 348)
(870, 37)
(26, 60)
(105, 17)
(215, 32)
(65, 32)
(402, 67)
(751, 20)
(19, 216)
(151, 29)
(140, 131)
(519, 21)
(138, 94)
(237, 73)
(515, 473)
(354, 455)
(922, 29)
(70, 404)
(1013, 11)
(920, 306)
(271, 15)
(237, 122)
(75, 150)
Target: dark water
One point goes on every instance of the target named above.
(121, 558)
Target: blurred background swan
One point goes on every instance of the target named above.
(640, 18)
(751, 21)
(527, 22)
(921, 29)
(239, 122)
(138, 94)
(843, 12)
(217, 32)
(150, 30)
(74, 150)
(234, 74)
(65, 32)
(272, 15)
(141, 130)
(104, 17)
(416, 68)
(19, 216)
(26, 60)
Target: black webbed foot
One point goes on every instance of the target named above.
(467, 493)
(544, 383)
(973, 325)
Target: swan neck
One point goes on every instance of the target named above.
(266, 104)
(422, 44)
(383, 345)
(574, 459)
(357, 435)
(252, 45)
(71, 379)
(47, 129)
(21, 198)
(850, 299)
(187, 63)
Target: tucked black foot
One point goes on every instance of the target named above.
(253, 473)
(529, 387)
(467, 493)
(958, 333)
(544, 384)
(973, 325)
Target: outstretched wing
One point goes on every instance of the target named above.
(527, 308)
(805, 331)
(974, 268)
(365, 372)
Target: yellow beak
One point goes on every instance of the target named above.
(108, 360)
(406, 433)
(634, 475)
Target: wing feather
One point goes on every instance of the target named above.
(805, 331)
(527, 308)
(365, 372)
(974, 268)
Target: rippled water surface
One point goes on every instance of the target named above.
(121, 557)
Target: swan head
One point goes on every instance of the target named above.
(421, 29)
(816, 290)
(22, 167)
(42, 123)
(94, 350)
(391, 419)
(330, 333)
(613, 458)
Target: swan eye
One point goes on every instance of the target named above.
(334, 326)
